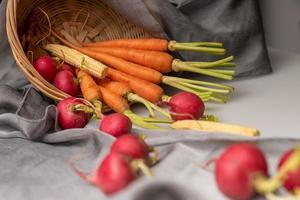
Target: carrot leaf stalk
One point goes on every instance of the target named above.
(221, 71)
(177, 46)
(178, 65)
(204, 44)
(212, 63)
(193, 86)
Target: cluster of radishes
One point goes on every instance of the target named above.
(61, 75)
(128, 155)
(242, 171)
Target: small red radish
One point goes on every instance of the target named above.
(66, 82)
(236, 169)
(292, 178)
(67, 117)
(46, 67)
(65, 66)
(114, 173)
(116, 124)
(131, 145)
(186, 105)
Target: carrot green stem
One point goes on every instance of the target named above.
(221, 71)
(139, 121)
(173, 46)
(197, 87)
(210, 64)
(197, 90)
(218, 100)
(176, 79)
(205, 44)
(177, 65)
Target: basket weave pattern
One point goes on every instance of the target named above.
(25, 16)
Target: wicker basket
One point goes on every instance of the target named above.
(20, 14)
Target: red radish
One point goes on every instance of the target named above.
(46, 67)
(236, 168)
(131, 145)
(114, 173)
(116, 124)
(65, 66)
(292, 179)
(67, 118)
(66, 82)
(186, 105)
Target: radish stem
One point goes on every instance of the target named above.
(266, 186)
(139, 121)
(150, 106)
(139, 164)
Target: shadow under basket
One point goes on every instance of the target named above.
(28, 30)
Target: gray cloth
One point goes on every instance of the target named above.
(40, 169)
(10, 73)
(237, 23)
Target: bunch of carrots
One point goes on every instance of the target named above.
(123, 71)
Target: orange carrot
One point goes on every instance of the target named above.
(114, 101)
(157, 60)
(161, 61)
(146, 44)
(125, 66)
(88, 87)
(116, 87)
(145, 89)
(155, 44)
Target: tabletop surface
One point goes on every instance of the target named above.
(270, 103)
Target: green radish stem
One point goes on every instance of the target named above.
(267, 186)
(181, 66)
(150, 106)
(138, 120)
(154, 120)
(173, 46)
(211, 118)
